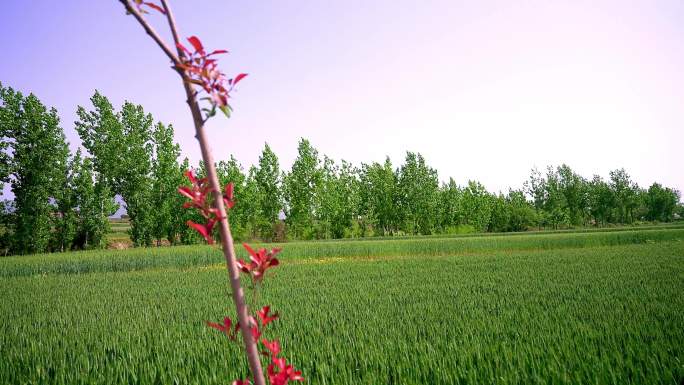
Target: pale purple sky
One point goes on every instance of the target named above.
(484, 90)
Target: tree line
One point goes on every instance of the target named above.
(62, 201)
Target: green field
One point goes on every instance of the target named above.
(562, 308)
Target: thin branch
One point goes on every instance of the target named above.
(173, 27)
(150, 31)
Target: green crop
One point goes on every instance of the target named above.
(189, 256)
(603, 308)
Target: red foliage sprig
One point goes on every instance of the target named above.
(279, 371)
(199, 193)
(202, 70)
(260, 261)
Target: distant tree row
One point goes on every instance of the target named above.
(62, 201)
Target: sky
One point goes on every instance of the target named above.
(484, 90)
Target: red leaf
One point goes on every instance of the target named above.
(204, 230)
(256, 333)
(155, 6)
(265, 317)
(262, 260)
(296, 375)
(238, 78)
(223, 328)
(185, 50)
(191, 175)
(228, 197)
(218, 52)
(196, 43)
(272, 346)
(244, 266)
(186, 191)
(285, 372)
(249, 250)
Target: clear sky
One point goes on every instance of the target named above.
(484, 90)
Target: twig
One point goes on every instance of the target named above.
(150, 31)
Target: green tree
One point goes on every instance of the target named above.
(626, 195)
(477, 205)
(418, 188)
(535, 188)
(555, 206)
(38, 168)
(379, 197)
(345, 218)
(511, 212)
(601, 201)
(134, 184)
(500, 214)
(253, 210)
(575, 195)
(165, 181)
(9, 116)
(268, 192)
(65, 219)
(679, 211)
(325, 203)
(522, 213)
(661, 203)
(94, 202)
(122, 147)
(450, 206)
(300, 185)
(336, 200)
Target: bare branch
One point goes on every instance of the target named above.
(150, 31)
(173, 27)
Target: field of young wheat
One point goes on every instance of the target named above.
(565, 308)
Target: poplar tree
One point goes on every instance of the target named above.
(122, 148)
(37, 168)
(8, 117)
(418, 189)
(94, 204)
(252, 211)
(379, 197)
(450, 206)
(268, 193)
(165, 181)
(299, 187)
(477, 206)
(65, 219)
(338, 199)
(660, 203)
(626, 195)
